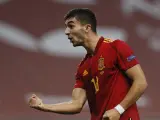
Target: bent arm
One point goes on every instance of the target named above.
(138, 87)
(72, 107)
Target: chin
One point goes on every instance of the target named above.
(76, 45)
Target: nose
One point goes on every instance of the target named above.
(67, 31)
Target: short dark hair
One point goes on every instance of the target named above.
(84, 15)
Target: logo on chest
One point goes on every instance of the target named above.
(101, 65)
(85, 72)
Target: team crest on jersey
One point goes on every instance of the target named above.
(101, 65)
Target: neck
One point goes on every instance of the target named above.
(91, 43)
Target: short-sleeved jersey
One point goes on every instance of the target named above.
(103, 77)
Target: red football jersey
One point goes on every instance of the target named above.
(103, 77)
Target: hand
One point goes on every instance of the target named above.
(35, 102)
(111, 115)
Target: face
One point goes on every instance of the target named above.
(75, 32)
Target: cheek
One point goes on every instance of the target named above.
(79, 34)
(76, 34)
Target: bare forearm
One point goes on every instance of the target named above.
(62, 108)
(134, 94)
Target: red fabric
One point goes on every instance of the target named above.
(102, 76)
(124, 53)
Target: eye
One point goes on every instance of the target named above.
(71, 26)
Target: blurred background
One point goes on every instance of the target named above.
(36, 56)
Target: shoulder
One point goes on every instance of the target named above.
(119, 44)
(113, 43)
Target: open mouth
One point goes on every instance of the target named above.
(71, 39)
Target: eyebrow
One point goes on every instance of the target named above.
(70, 22)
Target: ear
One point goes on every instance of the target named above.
(87, 27)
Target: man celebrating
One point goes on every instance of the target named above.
(109, 76)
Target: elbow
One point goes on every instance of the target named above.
(141, 84)
(75, 106)
(79, 108)
(144, 85)
(77, 111)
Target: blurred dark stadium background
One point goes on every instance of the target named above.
(36, 57)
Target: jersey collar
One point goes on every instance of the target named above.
(98, 44)
(101, 39)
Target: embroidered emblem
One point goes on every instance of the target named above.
(101, 65)
(130, 58)
(85, 73)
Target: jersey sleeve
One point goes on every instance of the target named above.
(125, 56)
(79, 83)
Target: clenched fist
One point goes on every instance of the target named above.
(35, 102)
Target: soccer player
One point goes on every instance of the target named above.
(109, 76)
